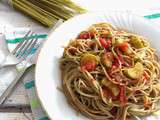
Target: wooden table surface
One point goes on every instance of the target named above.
(16, 106)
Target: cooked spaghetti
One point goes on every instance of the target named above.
(110, 74)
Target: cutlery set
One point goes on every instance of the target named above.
(20, 57)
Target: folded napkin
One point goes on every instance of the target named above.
(13, 37)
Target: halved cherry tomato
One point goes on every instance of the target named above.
(123, 46)
(105, 43)
(88, 65)
(85, 35)
(88, 62)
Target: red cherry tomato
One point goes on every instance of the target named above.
(85, 35)
(123, 47)
(105, 43)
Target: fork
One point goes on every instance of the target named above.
(12, 58)
(22, 60)
(10, 88)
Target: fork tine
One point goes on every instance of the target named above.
(20, 43)
(24, 50)
(23, 46)
(29, 49)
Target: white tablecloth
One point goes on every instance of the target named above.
(9, 18)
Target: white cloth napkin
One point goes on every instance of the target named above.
(8, 41)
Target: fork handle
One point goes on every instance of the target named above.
(11, 87)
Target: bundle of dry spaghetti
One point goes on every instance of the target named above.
(47, 12)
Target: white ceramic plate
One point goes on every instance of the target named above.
(47, 70)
